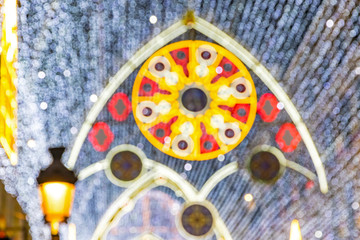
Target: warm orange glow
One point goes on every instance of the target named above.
(2, 223)
(295, 233)
(54, 228)
(8, 103)
(57, 198)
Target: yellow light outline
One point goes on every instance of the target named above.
(8, 82)
(195, 155)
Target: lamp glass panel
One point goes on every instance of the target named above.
(57, 199)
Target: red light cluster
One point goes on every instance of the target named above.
(267, 107)
(101, 136)
(119, 106)
(288, 137)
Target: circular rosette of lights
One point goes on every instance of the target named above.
(196, 220)
(194, 100)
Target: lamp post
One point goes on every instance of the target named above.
(57, 189)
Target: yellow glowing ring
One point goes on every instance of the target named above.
(197, 95)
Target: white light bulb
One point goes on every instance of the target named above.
(188, 167)
(41, 74)
(93, 98)
(329, 23)
(43, 105)
(153, 19)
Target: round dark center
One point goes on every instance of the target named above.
(208, 145)
(229, 133)
(265, 166)
(180, 55)
(147, 87)
(240, 88)
(241, 112)
(147, 111)
(206, 55)
(159, 66)
(126, 166)
(194, 99)
(227, 67)
(160, 132)
(182, 145)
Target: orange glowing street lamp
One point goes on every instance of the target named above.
(57, 189)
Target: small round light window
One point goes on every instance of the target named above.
(266, 164)
(125, 164)
(197, 220)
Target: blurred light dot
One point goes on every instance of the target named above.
(300, 214)
(355, 205)
(167, 139)
(67, 73)
(357, 70)
(221, 157)
(93, 98)
(219, 70)
(140, 145)
(13, 104)
(187, 167)
(30, 181)
(248, 197)
(43, 105)
(327, 85)
(31, 143)
(328, 213)
(41, 74)
(280, 105)
(153, 19)
(73, 130)
(329, 23)
(318, 234)
(183, 175)
(352, 33)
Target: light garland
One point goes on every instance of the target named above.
(79, 45)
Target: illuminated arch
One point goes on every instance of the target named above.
(159, 175)
(229, 43)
